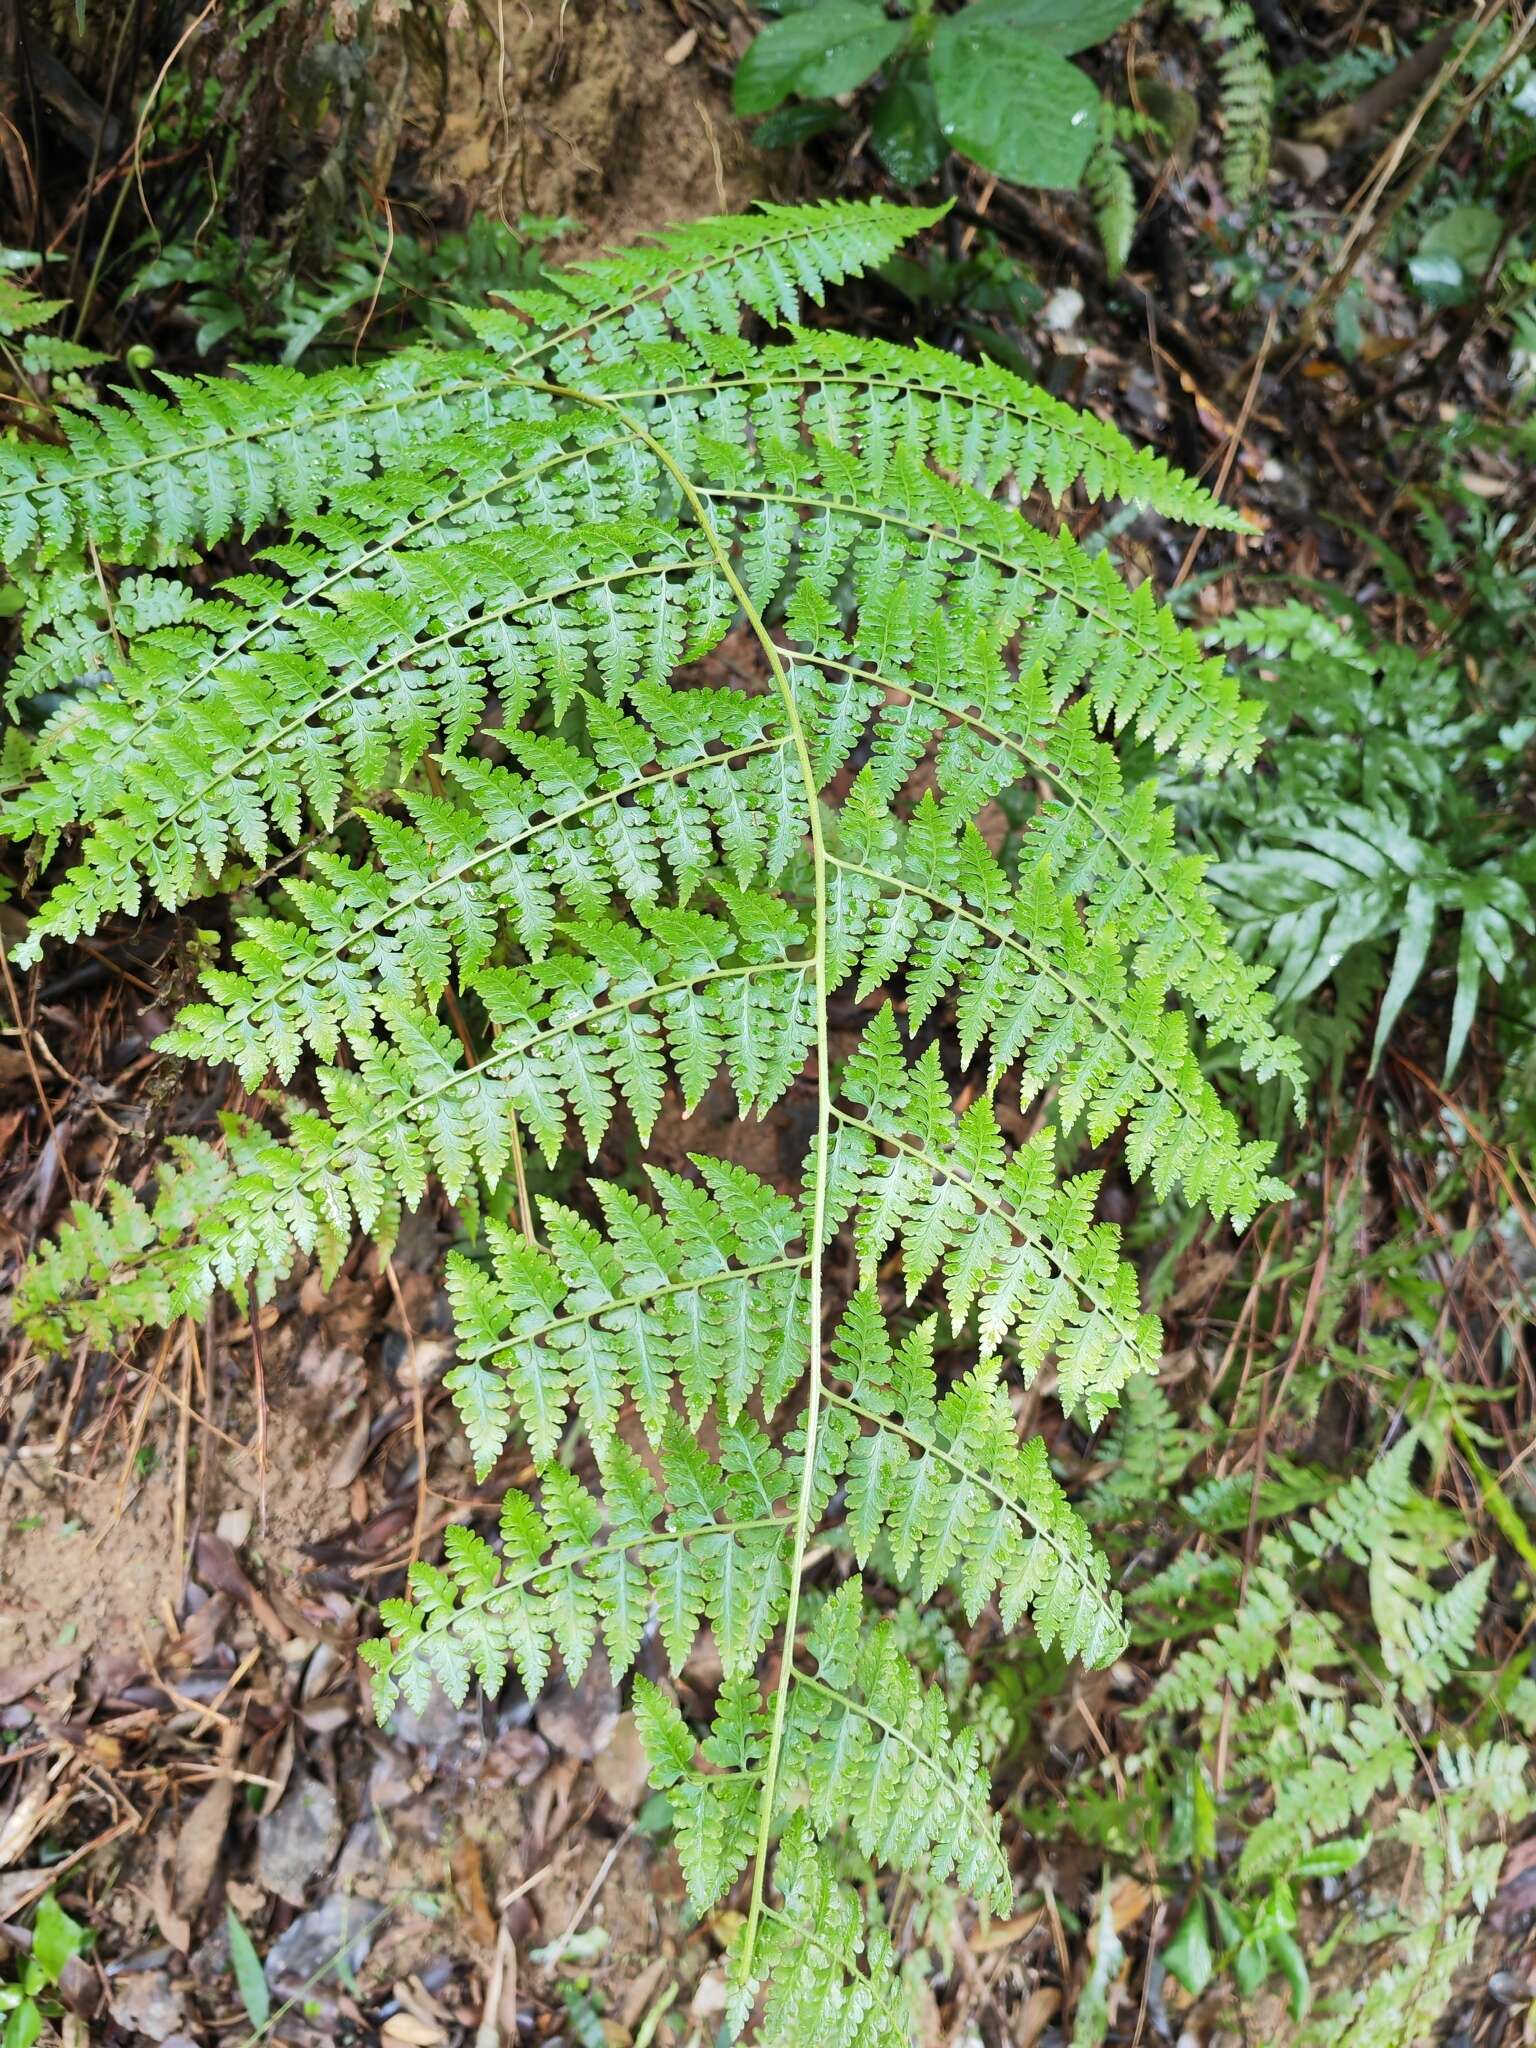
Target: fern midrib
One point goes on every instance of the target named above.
(690, 1284)
(501, 1052)
(271, 740)
(485, 856)
(1067, 424)
(1102, 821)
(896, 2014)
(1073, 1563)
(562, 456)
(821, 1150)
(679, 274)
(956, 907)
(347, 572)
(434, 394)
(1120, 629)
(588, 1554)
(1009, 1217)
(979, 1820)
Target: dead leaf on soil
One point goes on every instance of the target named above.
(986, 1941)
(467, 1865)
(352, 1452)
(409, 2032)
(17, 1680)
(622, 1770)
(34, 1806)
(1040, 2009)
(146, 2003)
(219, 1568)
(581, 1719)
(202, 1834)
(160, 1891)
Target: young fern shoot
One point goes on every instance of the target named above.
(553, 867)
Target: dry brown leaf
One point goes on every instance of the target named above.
(353, 1450)
(622, 1769)
(1041, 2007)
(27, 1818)
(410, 2032)
(467, 1864)
(1129, 1898)
(199, 1843)
(160, 1890)
(1516, 1895)
(581, 1719)
(1004, 1933)
(202, 1833)
(637, 1999)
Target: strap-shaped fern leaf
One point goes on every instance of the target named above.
(611, 697)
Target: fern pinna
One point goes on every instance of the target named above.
(511, 857)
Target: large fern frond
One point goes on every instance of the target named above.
(549, 853)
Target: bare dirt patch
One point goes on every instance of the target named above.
(571, 107)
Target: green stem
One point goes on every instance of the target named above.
(821, 1150)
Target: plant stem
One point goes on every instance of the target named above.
(820, 1152)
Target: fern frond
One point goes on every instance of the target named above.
(1235, 1653)
(830, 1975)
(1112, 194)
(118, 1268)
(1330, 1791)
(1246, 87)
(553, 871)
(705, 1296)
(218, 456)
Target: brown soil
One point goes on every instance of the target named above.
(571, 107)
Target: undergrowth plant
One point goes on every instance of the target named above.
(518, 849)
(1386, 846)
(1321, 1711)
(992, 82)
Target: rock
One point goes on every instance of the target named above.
(298, 1840)
(1306, 162)
(439, 1727)
(147, 2004)
(516, 1757)
(335, 1936)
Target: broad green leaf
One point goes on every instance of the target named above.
(1189, 1956)
(1331, 1859)
(1464, 1008)
(1454, 253)
(820, 53)
(23, 2026)
(904, 127)
(1064, 26)
(788, 127)
(1285, 1953)
(56, 1939)
(1013, 105)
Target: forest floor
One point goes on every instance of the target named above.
(193, 1543)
